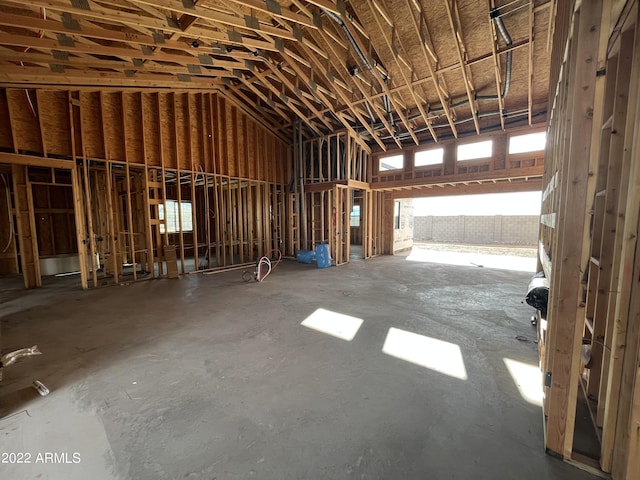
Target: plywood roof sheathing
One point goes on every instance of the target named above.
(304, 52)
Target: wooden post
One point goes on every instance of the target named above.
(229, 222)
(77, 201)
(217, 206)
(132, 246)
(566, 317)
(151, 256)
(625, 320)
(113, 226)
(194, 219)
(598, 300)
(180, 231)
(89, 216)
(29, 261)
(207, 219)
(346, 222)
(192, 179)
(140, 219)
(241, 210)
(323, 216)
(163, 186)
(276, 218)
(339, 210)
(250, 219)
(87, 196)
(80, 227)
(233, 202)
(369, 213)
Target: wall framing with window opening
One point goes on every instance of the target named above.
(433, 156)
(173, 218)
(474, 151)
(391, 162)
(127, 169)
(515, 172)
(530, 142)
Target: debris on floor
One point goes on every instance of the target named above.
(12, 357)
(40, 388)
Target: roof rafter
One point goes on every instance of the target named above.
(454, 22)
(344, 99)
(273, 89)
(150, 25)
(390, 46)
(448, 68)
(297, 92)
(425, 51)
(274, 9)
(110, 51)
(362, 90)
(215, 16)
(43, 75)
(383, 84)
(320, 94)
(370, 67)
(319, 91)
(261, 95)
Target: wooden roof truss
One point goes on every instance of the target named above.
(381, 69)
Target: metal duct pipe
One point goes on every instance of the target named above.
(387, 106)
(507, 39)
(352, 41)
(380, 126)
(465, 101)
(293, 185)
(359, 53)
(369, 110)
(406, 135)
(502, 30)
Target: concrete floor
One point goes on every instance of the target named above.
(210, 377)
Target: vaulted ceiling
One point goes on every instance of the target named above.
(392, 71)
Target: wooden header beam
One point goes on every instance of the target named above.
(524, 185)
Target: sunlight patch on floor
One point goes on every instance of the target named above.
(501, 262)
(443, 357)
(528, 380)
(333, 323)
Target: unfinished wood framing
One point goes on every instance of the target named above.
(135, 159)
(333, 73)
(333, 197)
(28, 251)
(335, 158)
(499, 172)
(9, 260)
(151, 139)
(322, 63)
(589, 249)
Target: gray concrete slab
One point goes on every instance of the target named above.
(210, 377)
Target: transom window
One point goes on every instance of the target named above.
(473, 151)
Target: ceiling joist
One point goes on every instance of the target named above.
(384, 70)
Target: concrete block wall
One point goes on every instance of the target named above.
(499, 229)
